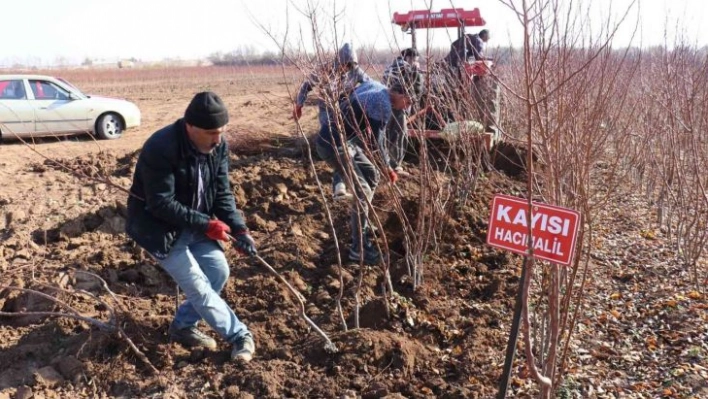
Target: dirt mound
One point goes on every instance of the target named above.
(510, 158)
(97, 164)
(445, 339)
(405, 346)
(249, 142)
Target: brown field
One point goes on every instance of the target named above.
(61, 210)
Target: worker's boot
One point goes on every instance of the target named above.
(244, 348)
(401, 172)
(340, 192)
(191, 337)
(371, 255)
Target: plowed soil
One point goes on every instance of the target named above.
(62, 205)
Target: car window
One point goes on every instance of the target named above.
(12, 90)
(45, 90)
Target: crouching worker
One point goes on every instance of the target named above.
(180, 207)
(365, 113)
(333, 82)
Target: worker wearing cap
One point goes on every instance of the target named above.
(332, 81)
(404, 71)
(181, 206)
(466, 47)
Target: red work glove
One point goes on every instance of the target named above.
(244, 243)
(217, 230)
(297, 112)
(393, 176)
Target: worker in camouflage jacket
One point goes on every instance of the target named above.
(403, 72)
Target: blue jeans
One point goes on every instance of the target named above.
(199, 267)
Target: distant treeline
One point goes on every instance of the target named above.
(249, 56)
(367, 56)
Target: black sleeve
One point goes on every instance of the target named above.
(378, 130)
(476, 49)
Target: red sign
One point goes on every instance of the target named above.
(554, 229)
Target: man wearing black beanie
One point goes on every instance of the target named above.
(181, 205)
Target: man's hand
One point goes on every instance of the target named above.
(393, 176)
(217, 230)
(244, 243)
(297, 112)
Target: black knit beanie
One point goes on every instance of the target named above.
(206, 111)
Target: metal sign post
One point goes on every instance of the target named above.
(513, 337)
(554, 231)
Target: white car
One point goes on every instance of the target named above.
(36, 105)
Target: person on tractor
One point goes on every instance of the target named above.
(334, 81)
(366, 113)
(466, 47)
(403, 72)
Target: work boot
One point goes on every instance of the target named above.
(401, 172)
(191, 337)
(371, 254)
(340, 192)
(244, 348)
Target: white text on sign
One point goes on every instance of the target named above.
(554, 229)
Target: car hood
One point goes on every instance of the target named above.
(105, 99)
(116, 104)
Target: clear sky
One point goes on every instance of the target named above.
(47, 32)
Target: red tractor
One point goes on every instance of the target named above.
(461, 100)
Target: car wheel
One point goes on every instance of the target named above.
(109, 126)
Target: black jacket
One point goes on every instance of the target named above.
(468, 46)
(164, 188)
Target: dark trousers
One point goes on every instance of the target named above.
(397, 137)
(366, 177)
